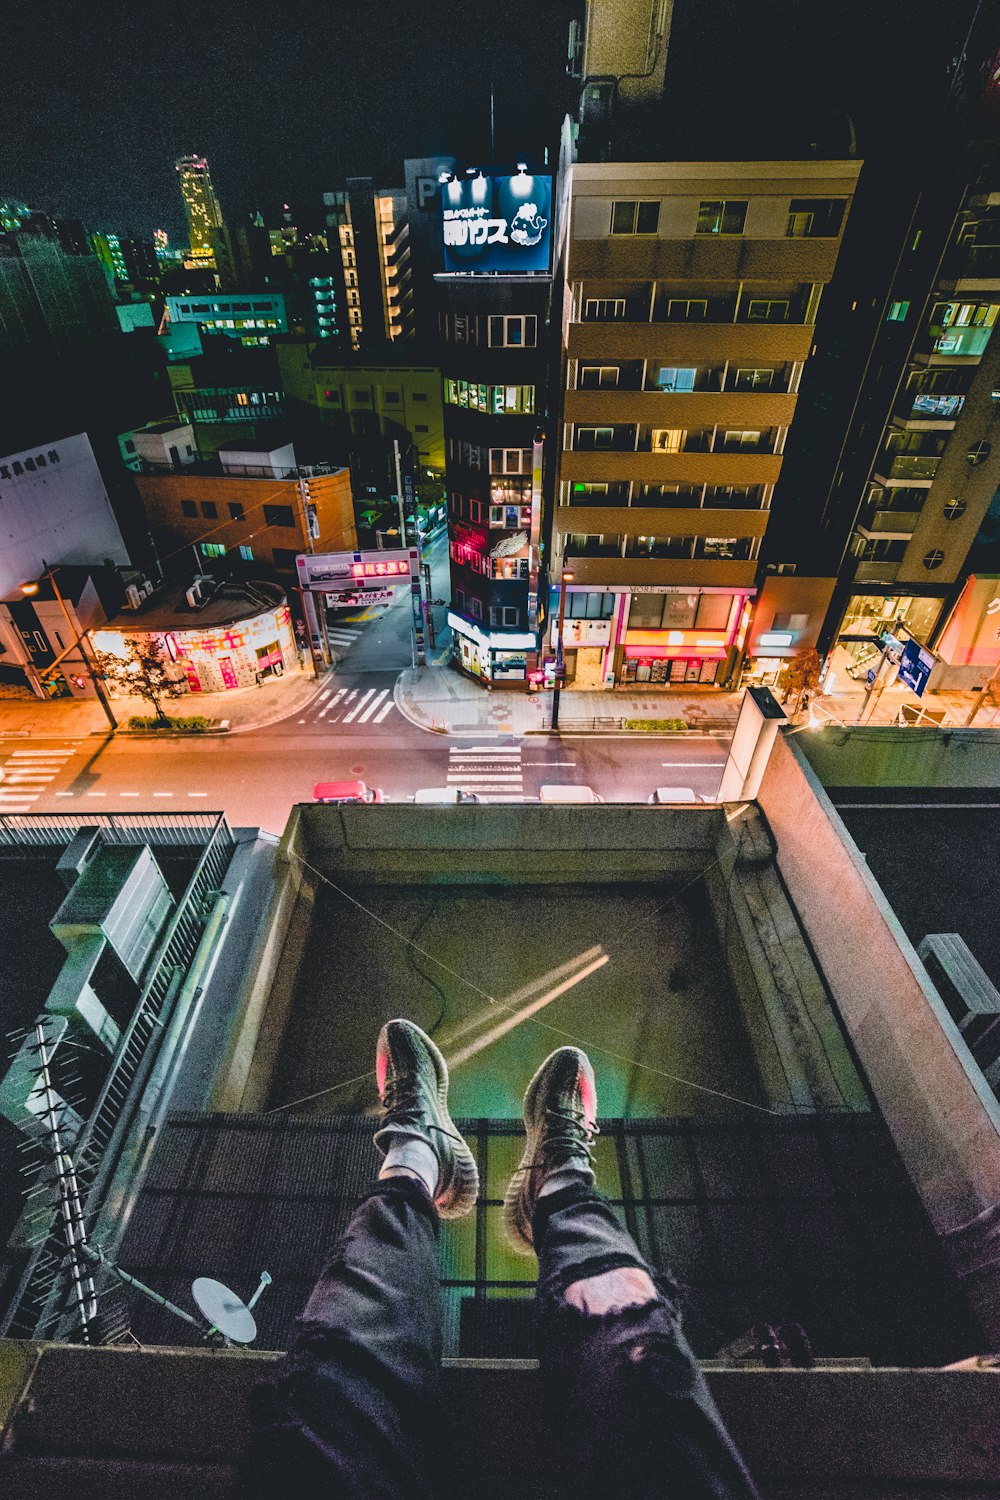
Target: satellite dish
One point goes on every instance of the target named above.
(224, 1310)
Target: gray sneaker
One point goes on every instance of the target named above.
(412, 1079)
(560, 1118)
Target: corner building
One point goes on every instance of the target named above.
(494, 358)
(692, 290)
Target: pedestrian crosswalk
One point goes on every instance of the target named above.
(342, 636)
(494, 774)
(348, 706)
(26, 773)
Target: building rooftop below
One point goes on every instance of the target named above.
(223, 604)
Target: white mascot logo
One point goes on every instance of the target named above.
(527, 225)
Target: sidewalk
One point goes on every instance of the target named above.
(444, 701)
(245, 708)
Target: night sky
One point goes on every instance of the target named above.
(98, 99)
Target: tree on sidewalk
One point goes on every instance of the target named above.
(800, 679)
(145, 671)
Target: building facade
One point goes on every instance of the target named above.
(368, 227)
(251, 317)
(495, 358)
(913, 496)
(252, 502)
(220, 637)
(201, 206)
(692, 292)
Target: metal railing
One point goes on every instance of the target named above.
(189, 828)
(40, 1300)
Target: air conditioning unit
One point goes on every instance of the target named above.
(193, 595)
(133, 598)
(146, 589)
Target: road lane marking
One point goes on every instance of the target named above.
(465, 777)
(100, 794)
(197, 794)
(352, 713)
(71, 794)
(373, 705)
(554, 763)
(128, 794)
(163, 794)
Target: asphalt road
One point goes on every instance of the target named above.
(352, 729)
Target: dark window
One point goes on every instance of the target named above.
(815, 218)
(419, 395)
(188, 508)
(18, 468)
(4, 471)
(716, 216)
(53, 456)
(392, 398)
(40, 460)
(418, 428)
(933, 559)
(29, 463)
(953, 509)
(235, 510)
(278, 515)
(209, 510)
(631, 217)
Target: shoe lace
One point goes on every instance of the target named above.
(573, 1134)
(402, 1103)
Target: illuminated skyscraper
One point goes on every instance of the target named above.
(200, 204)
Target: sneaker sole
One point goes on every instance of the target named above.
(517, 1220)
(458, 1185)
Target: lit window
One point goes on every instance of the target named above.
(897, 312)
(717, 216)
(247, 554)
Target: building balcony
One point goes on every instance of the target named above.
(624, 258)
(602, 572)
(876, 572)
(734, 409)
(671, 468)
(691, 343)
(906, 468)
(642, 520)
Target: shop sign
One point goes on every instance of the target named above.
(915, 667)
(497, 225)
(328, 571)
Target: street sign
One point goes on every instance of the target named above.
(915, 667)
(870, 676)
(327, 572)
(346, 601)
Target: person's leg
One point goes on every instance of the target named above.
(356, 1410)
(630, 1404)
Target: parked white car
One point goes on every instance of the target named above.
(674, 794)
(564, 793)
(447, 796)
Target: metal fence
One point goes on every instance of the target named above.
(45, 1288)
(155, 829)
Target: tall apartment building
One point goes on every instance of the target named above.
(914, 489)
(692, 292)
(200, 205)
(495, 306)
(368, 225)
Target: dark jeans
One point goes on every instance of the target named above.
(357, 1410)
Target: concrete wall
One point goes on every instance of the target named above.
(943, 1117)
(867, 756)
(528, 844)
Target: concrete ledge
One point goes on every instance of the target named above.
(121, 1422)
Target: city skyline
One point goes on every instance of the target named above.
(105, 153)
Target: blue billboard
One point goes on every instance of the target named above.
(915, 667)
(497, 225)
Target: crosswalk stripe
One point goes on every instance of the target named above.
(386, 708)
(22, 797)
(332, 703)
(489, 750)
(352, 714)
(472, 781)
(373, 705)
(39, 754)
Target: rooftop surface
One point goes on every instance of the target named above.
(934, 852)
(226, 604)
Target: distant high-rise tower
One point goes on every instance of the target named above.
(200, 204)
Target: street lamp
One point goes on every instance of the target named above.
(567, 577)
(29, 590)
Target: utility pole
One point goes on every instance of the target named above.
(49, 573)
(566, 578)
